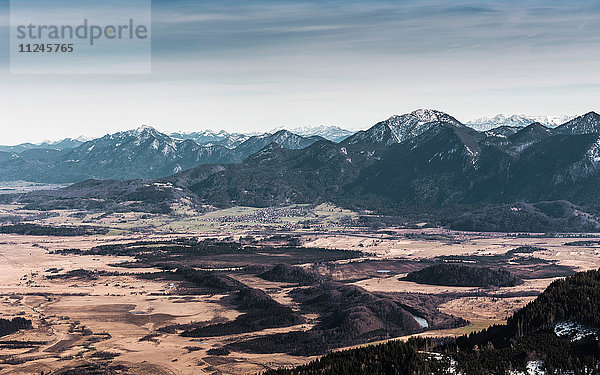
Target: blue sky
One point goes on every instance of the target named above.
(256, 65)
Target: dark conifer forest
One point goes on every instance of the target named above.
(530, 335)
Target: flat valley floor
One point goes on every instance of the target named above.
(115, 316)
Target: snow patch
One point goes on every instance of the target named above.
(574, 331)
(594, 152)
(532, 368)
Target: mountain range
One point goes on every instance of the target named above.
(424, 161)
(147, 153)
(232, 140)
(499, 123)
(140, 153)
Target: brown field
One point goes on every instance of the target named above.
(79, 320)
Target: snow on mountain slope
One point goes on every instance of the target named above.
(62, 144)
(398, 129)
(586, 124)
(142, 152)
(232, 140)
(212, 138)
(284, 138)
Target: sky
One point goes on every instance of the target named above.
(254, 65)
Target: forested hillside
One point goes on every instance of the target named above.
(558, 332)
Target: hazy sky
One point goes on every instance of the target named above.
(255, 65)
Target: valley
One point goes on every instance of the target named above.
(242, 290)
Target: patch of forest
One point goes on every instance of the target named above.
(29, 229)
(559, 355)
(289, 274)
(395, 357)
(214, 253)
(583, 243)
(576, 298)
(81, 274)
(366, 269)
(448, 274)
(261, 312)
(426, 306)
(522, 250)
(519, 260)
(93, 368)
(13, 325)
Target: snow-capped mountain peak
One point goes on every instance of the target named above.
(400, 128)
(83, 138)
(428, 115)
(145, 129)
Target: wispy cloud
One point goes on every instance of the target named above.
(406, 28)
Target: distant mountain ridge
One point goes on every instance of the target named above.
(48, 145)
(331, 133)
(202, 138)
(284, 138)
(211, 138)
(232, 140)
(140, 153)
(489, 123)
